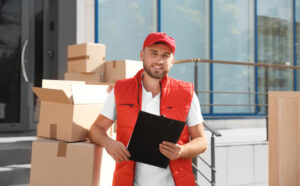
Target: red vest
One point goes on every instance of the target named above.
(175, 100)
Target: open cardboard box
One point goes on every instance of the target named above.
(121, 69)
(56, 163)
(69, 108)
(86, 57)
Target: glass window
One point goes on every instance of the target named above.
(10, 50)
(274, 44)
(297, 22)
(188, 23)
(233, 36)
(123, 26)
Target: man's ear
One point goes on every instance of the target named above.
(173, 61)
(142, 55)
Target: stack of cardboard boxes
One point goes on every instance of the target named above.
(62, 155)
(86, 62)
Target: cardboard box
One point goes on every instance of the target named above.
(121, 69)
(56, 163)
(68, 109)
(88, 77)
(284, 138)
(86, 57)
(85, 66)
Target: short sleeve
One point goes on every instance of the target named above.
(194, 116)
(109, 107)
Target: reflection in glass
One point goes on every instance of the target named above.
(10, 30)
(134, 19)
(233, 41)
(187, 22)
(274, 44)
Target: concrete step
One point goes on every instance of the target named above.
(15, 150)
(15, 159)
(15, 175)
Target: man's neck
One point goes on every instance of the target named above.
(151, 84)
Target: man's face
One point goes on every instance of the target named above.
(157, 60)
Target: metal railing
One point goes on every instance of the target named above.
(214, 133)
(212, 164)
(265, 65)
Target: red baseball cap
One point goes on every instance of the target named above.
(160, 37)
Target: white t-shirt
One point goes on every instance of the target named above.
(148, 175)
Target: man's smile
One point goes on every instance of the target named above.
(157, 67)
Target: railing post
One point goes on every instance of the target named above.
(213, 164)
(196, 76)
(194, 160)
(267, 89)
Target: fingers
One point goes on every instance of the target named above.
(169, 146)
(170, 150)
(127, 153)
(120, 156)
(123, 154)
(109, 89)
(118, 151)
(167, 154)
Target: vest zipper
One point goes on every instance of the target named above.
(160, 98)
(133, 173)
(172, 173)
(138, 97)
(139, 106)
(164, 115)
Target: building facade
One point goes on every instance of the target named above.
(35, 35)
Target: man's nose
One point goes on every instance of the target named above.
(160, 59)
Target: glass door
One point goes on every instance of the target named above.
(16, 65)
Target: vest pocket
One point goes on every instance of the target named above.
(126, 105)
(178, 113)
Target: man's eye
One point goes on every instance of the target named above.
(153, 53)
(166, 56)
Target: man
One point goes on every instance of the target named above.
(151, 90)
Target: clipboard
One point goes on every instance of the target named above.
(149, 131)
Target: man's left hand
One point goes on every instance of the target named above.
(171, 150)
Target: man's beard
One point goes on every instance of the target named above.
(154, 74)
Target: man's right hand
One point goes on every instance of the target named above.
(98, 135)
(117, 150)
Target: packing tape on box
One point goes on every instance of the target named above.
(78, 58)
(114, 64)
(62, 149)
(53, 131)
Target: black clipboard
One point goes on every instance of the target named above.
(149, 131)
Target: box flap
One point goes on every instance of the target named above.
(52, 95)
(89, 94)
(60, 85)
(132, 67)
(99, 83)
